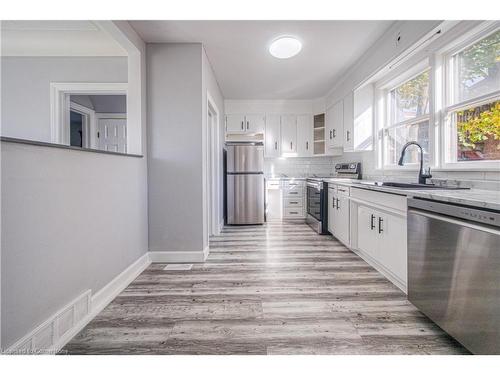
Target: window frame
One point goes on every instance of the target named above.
(435, 57)
(448, 134)
(385, 113)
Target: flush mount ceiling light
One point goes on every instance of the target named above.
(285, 47)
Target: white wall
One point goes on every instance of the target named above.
(71, 221)
(376, 58)
(299, 167)
(26, 88)
(175, 149)
(210, 86)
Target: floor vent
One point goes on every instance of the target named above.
(178, 267)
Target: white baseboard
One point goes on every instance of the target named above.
(65, 323)
(179, 256)
(104, 296)
(55, 332)
(380, 268)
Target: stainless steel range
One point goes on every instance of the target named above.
(317, 199)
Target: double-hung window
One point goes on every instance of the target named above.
(471, 113)
(407, 119)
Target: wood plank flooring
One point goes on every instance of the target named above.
(273, 289)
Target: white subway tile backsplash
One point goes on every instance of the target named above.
(324, 166)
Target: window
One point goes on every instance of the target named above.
(472, 115)
(407, 119)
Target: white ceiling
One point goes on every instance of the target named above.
(238, 52)
(57, 38)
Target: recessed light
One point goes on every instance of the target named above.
(285, 47)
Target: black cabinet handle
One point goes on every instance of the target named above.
(372, 225)
(275, 145)
(348, 135)
(333, 203)
(248, 125)
(330, 134)
(380, 221)
(242, 125)
(307, 145)
(337, 203)
(291, 145)
(334, 133)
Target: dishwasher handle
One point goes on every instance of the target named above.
(482, 228)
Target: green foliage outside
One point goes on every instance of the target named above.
(477, 125)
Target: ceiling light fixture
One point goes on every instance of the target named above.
(285, 47)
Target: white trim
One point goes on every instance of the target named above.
(94, 305)
(27, 344)
(213, 138)
(59, 103)
(382, 269)
(89, 126)
(106, 294)
(179, 256)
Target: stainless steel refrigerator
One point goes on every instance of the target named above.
(245, 183)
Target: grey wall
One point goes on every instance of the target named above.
(71, 221)
(175, 181)
(102, 103)
(210, 85)
(26, 88)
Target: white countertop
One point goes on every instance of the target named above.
(471, 197)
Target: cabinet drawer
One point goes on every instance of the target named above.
(293, 191)
(290, 212)
(343, 190)
(293, 202)
(273, 184)
(394, 201)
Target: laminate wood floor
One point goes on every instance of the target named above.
(273, 289)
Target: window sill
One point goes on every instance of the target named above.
(64, 147)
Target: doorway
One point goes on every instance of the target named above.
(213, 168)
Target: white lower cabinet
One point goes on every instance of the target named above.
(393, 253)
(379, 231)
(342, 223)
(367, 232)
(285, 200)
(338, 213)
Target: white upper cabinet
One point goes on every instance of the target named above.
(363, 103)
(348, 123)
(235, 124)
(272, 136)
(305, 137)
(288, 134)
(240, 124)
(334, 127)
(255, 123)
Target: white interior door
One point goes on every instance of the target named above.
(112, 134)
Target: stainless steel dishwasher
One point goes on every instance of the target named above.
(454, 270)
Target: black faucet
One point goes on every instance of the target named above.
(421, 176)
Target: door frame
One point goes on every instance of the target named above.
(89, 125)
(60, 104)
(213, 165)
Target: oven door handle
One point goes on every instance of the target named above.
(313, 185)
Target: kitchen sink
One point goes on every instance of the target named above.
(406, 185)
